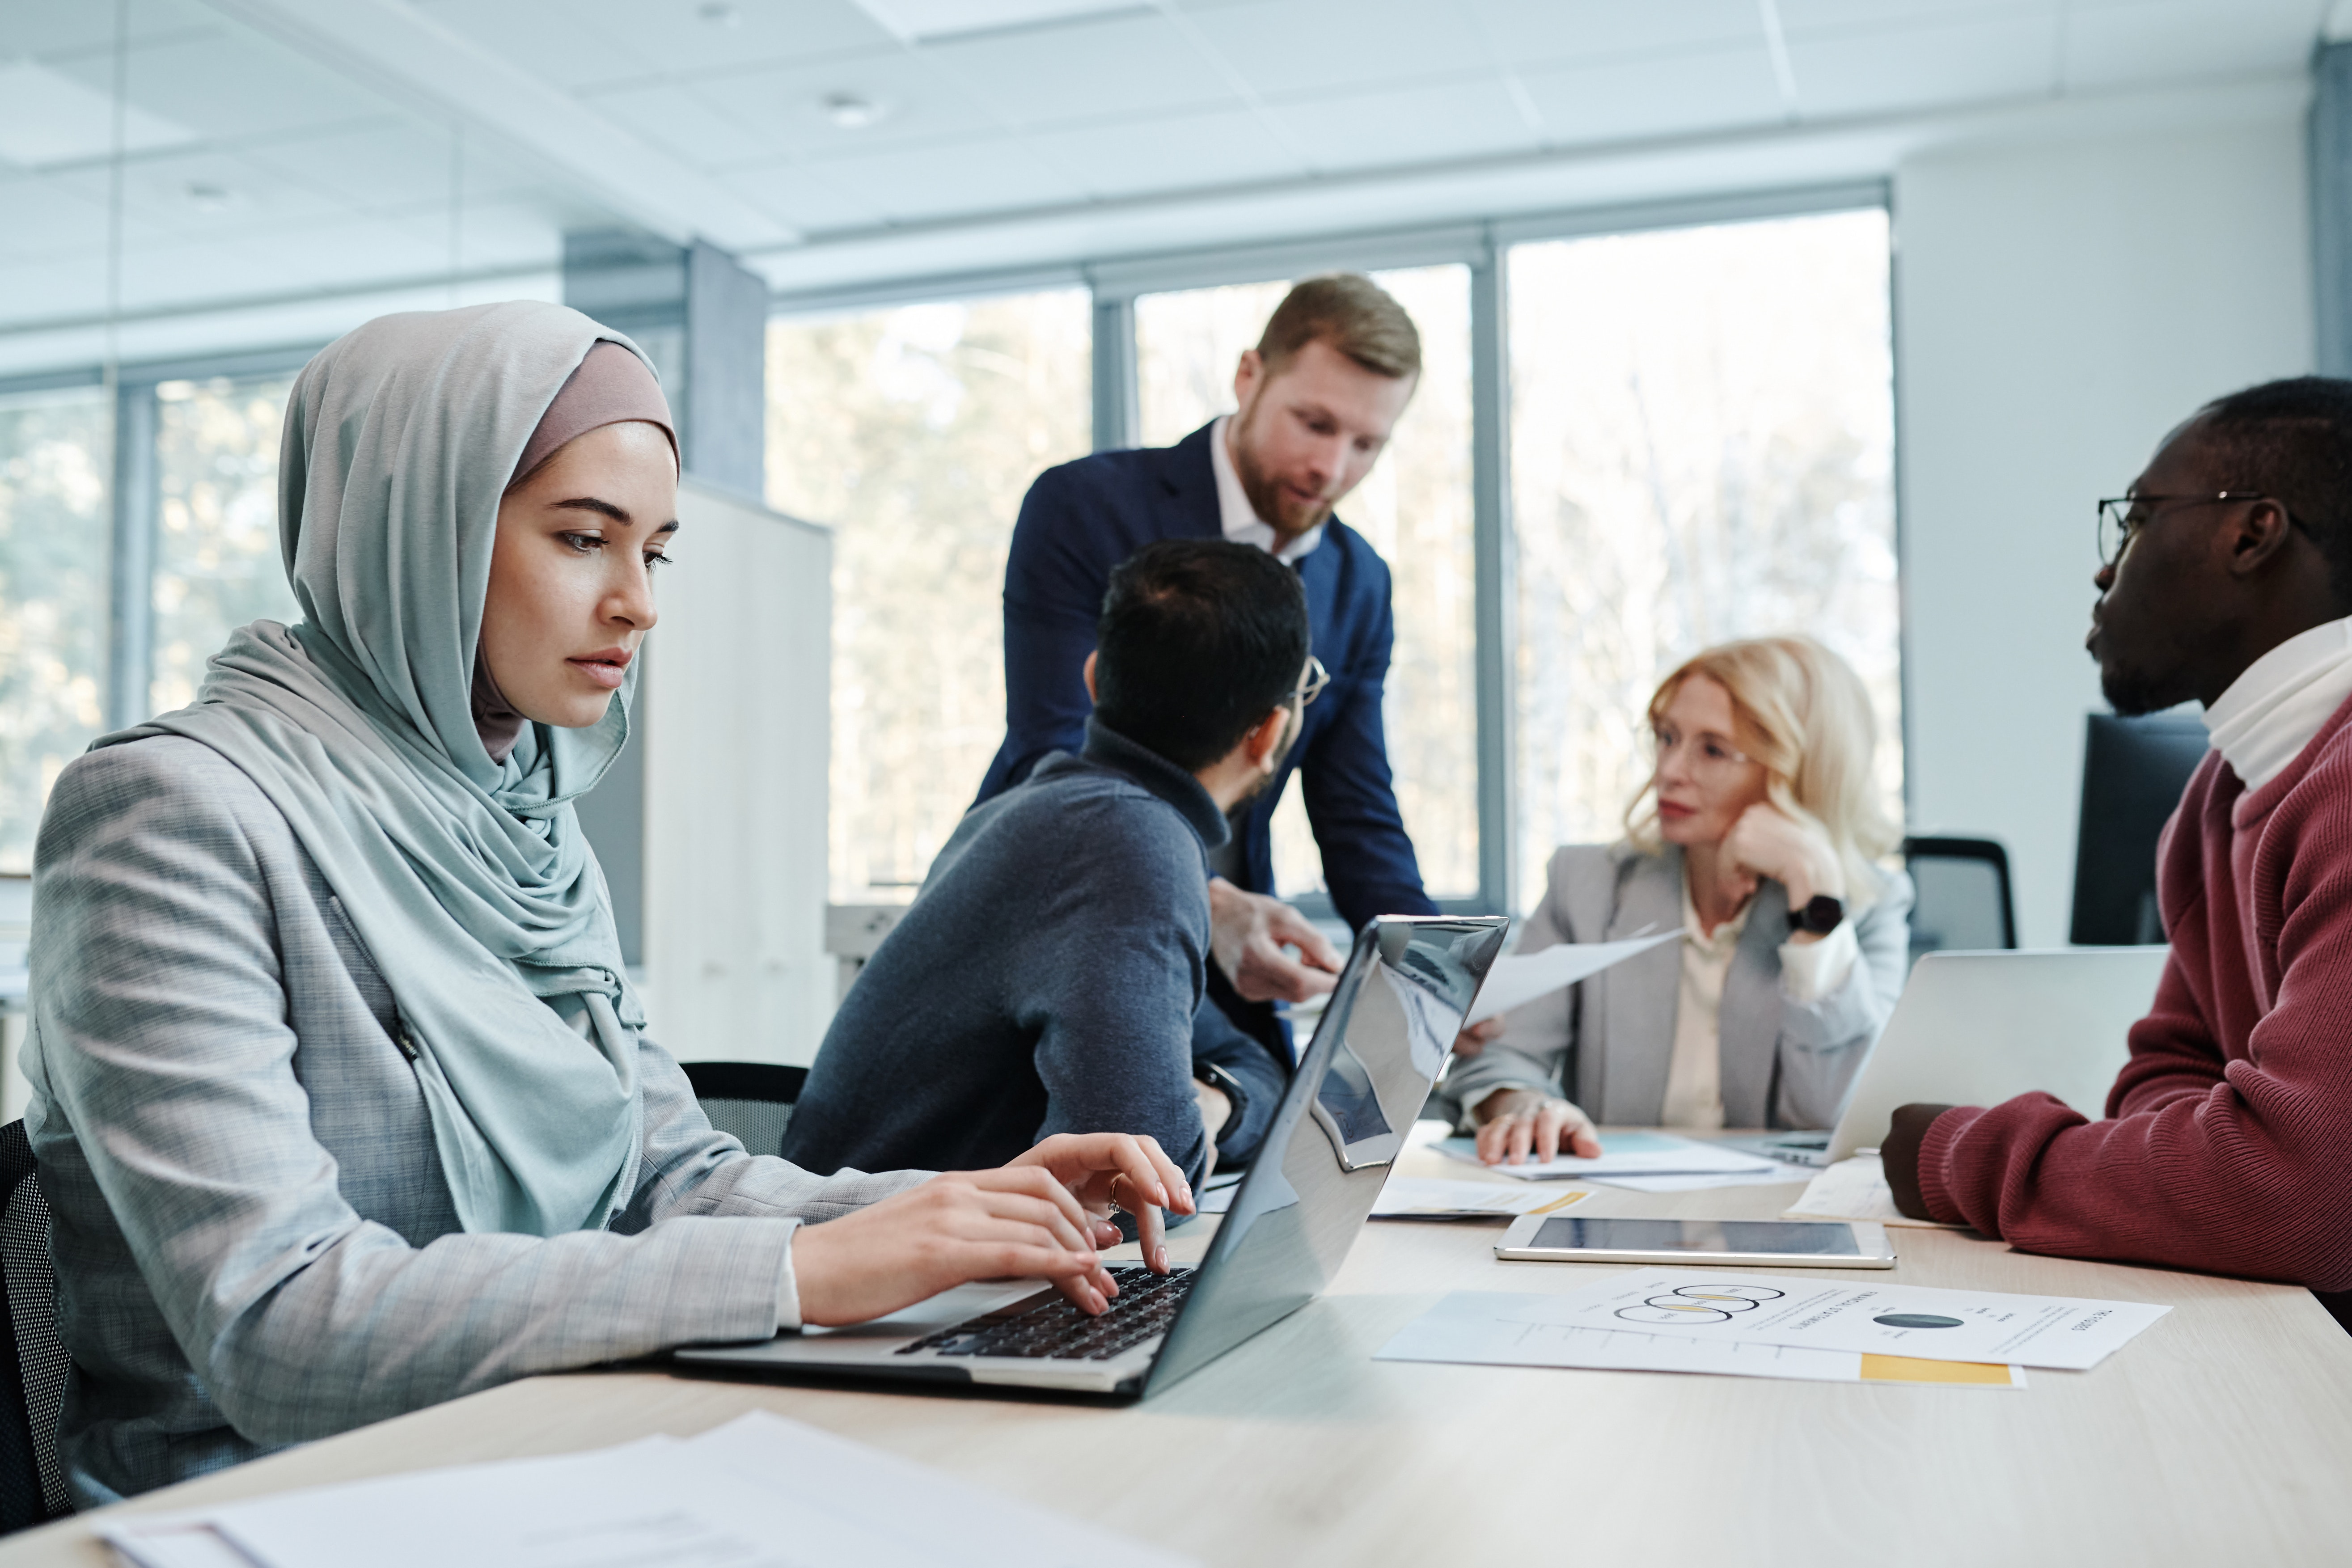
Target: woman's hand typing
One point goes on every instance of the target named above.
(1044, 1216)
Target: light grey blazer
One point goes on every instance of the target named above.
(254, 1242)
(1606, 1044)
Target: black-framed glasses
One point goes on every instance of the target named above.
(2122, 517)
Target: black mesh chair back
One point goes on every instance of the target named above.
(750, 1101)
(33, 1362)
(1963, 895)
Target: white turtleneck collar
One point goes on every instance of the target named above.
(2270, 713)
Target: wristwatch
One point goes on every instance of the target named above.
(1822, 915)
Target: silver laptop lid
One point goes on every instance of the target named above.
(1360, 1083)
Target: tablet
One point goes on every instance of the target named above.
(1807, 1244)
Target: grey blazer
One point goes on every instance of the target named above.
(1606, 1043)
(254, 1242)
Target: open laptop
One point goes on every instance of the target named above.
(1378, 1047)
(1976, 1028)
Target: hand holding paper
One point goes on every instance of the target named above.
(1519, 978)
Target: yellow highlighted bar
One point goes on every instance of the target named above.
(1561, 1202)
(1912, 1369)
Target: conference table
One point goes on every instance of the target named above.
(2223, 1433)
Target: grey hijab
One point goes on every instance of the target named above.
(467, 877)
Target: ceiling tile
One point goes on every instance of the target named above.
(1799, 17)
(672, 36)
(1536, 32)
(953, 181)
(231, 85)
(1180, 152)
(784, 106)
(47, 217)
(560, 47)
(1406, 125)
(804, 198)
(2156, 40)
(687, 122)
(1089, 69)
(1661, 95)
(210, 193)
(1919, 66)
(1286, 47)
(43, 27)
(394, 163)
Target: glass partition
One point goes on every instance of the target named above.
(1702, 449)
(913, 431)
(218, 564)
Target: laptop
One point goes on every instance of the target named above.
(1976, 1028)
(1378, 1046)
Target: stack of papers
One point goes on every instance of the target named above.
(1767, 1325)
(1426, 1197)
(1646, 1162)
(758, 1492)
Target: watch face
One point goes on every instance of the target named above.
(1823, 914)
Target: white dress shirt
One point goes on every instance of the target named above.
(1809, 970)
(1240, 521)
(2270, 713)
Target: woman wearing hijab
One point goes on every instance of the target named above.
(339, 1096)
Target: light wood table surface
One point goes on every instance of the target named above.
(2222, 1435)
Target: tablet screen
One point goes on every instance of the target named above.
(1795, 1238)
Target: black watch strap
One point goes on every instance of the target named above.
(1822, 915)
(1218, 1077)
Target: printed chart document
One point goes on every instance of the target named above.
(760, 1492)
(1518, 978)
(1740, 1308)
(1629, 1154)
(1856, 1189)
(1428, 1198)
(1492, 1328)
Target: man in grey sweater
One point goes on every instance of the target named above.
(1049, 976)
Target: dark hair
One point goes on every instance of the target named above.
(1200, 640)
(1351, 312)
(2291, 440)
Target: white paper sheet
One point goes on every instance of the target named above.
(1778, 1176)
(760, 1492)
(1518, 978)
(1742, 1308)
(1624, 1154)
(1856, 1189)
(1429, 1197)
(1492, 1328)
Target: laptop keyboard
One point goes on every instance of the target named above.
(1046, 1324)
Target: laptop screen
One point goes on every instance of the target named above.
(1359, 1085)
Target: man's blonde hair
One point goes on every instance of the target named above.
(1802, 712)
(1351, 312)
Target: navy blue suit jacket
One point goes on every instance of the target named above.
(1084, 518)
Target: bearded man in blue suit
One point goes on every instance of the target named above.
(1316, 400)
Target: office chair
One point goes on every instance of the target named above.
(751, 1102)
(33, 1361)
(1963, 895)
(2133, 771)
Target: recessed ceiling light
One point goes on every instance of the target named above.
(719, 13)
(206, 197)
(852, 111)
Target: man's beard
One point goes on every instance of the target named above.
(1266, 496)
(1241, 807)
(2133, 693)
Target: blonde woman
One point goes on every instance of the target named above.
(1757, 834)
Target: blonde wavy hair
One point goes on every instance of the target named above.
(1802, 712)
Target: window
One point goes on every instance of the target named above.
(914, 433)
(217, 563)
(1702, 449)
(1414, 509)
(54, 448)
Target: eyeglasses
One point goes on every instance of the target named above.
(1711, 760)
(2121, 518)
(1318, 677)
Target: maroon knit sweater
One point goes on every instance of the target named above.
(2228, 1141)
